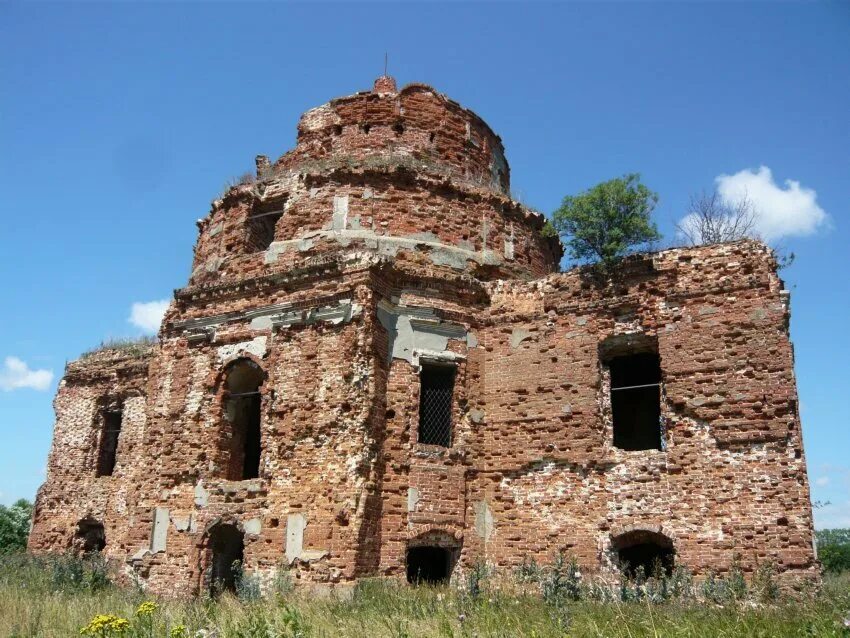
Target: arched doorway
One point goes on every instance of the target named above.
(226, 547)
(242, 411)
(428, 564)
(431, 558)
(646, 551)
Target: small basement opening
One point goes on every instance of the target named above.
(242, 409)
(436, 392)
(649, 552)
(227, 546)
(635, 370)
(109, 434)
(89, 538)
(428, 564)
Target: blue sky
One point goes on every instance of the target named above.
(120, 122)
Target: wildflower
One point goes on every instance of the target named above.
(461, 617)
(103, 625)
(847, 622)
(147, 609)
(178, 631)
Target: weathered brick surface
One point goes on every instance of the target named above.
(397, 244)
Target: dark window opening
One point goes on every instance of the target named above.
(337, 129)
(243, 410)
(261, 225)
(431, 565)
(227, 547)
(648, 553)
(89, 538)
(435, 404)
(636, 401)
(398, 128)
(109, 442)
(366, 128)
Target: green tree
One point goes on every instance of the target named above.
(608, 221)
(15, 526)
(834, 549)
(836, 536)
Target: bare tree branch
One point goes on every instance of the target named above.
(711, 220)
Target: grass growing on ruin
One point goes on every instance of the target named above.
(59, 597)
(130, 346)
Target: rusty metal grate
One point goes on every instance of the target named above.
(435, 405)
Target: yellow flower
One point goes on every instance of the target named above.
(178, 631)
(147, 609)
(106, 625)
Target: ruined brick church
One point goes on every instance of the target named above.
(377, 369)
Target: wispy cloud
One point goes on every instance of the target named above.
(833, 516)
(781, 211)
(822, 481)
(147, 315)
(15, 374)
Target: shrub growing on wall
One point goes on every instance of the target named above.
(607, 221)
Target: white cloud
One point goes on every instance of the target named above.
(822, 481)
(780, 212)
(15, 374)
(148, 315)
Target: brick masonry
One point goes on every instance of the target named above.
(397, 242)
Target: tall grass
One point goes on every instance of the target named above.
(56, 597)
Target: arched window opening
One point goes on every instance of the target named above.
(89, 538)
(242, 410)
(227, 549)
(649, 552)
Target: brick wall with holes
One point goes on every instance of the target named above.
(73, 491)
(650, 413)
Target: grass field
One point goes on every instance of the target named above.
(52, 600)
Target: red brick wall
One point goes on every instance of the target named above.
(339, 312)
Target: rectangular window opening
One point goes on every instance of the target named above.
(435, 404)
(636, 400)
(109, 442)
(261, 225)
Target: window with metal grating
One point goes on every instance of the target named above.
(437, 384)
